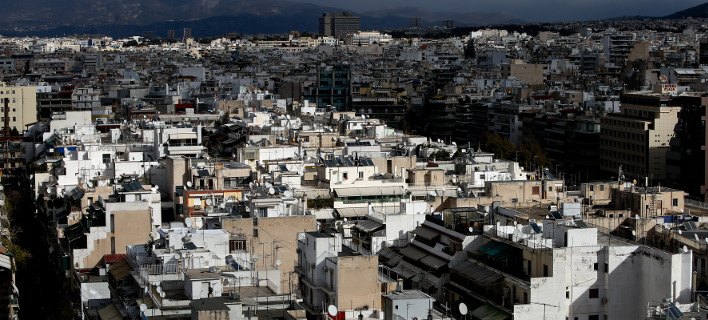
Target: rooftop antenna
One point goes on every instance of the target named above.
(332, 311)
(463, 308)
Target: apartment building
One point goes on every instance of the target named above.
(332, 274)
(638, 138)
(564, 271)
(338, 24)
(22, 104)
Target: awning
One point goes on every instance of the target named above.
(426, 233)
(478, 274)
(120, 270)
(393, 261)
(413, 253)
(433, 262)
(352, 212)
(403, 272)
(368, 191)
(496, 250)
(190, 135)
(110, 313)
(489, 312)
(368, 225)
(324, 215)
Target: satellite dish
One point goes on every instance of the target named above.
(278, 262)
(634, 233)
(696, 236)
(636, 216)
(288, 194)
(255, 258)
(222, 205)
(162, 294)
(157, 187)
(685, 249)
(332, 310)
(345, 219)
(188, 222)
(658, 309)
(143, 307)
(271, 191)
(209, 202)
(547, 217)
(89, 184)
(199, 223)
(189, 184)
(463, 308)
(680, 232)
(250, 185)
(268, 185)
(159, 289)
(432, 193)
(470, 229)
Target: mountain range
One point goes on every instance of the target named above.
(121, 18)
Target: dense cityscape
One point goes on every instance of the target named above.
(395, 174)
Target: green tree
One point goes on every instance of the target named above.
(532, 156)
(502, 148)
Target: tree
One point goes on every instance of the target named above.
(502, 148)
(532, 156)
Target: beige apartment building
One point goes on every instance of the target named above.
(22, 105)
(531, 73)
(274, 239)
(638, 138)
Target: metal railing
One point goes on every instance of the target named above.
(694, 203)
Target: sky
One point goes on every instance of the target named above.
(529, 10)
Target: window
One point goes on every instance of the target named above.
(361, 175)
(255, 233)
(14, 118)
(602, 187)
(345, 175)
(545, 270)
(594, 293)
(607, 268)
(675, 202)
(592, 188)
(535, 191)
(113, 245)
(594, 317)
(106, 158)
(594, 266)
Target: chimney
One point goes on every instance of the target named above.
(7, 117)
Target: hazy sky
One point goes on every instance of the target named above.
(530, 10)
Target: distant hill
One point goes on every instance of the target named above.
(699, 11)
(121, 18)
(460, 18)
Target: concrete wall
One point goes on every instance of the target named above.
(131, 227)
(357, 283)
(281, 230)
